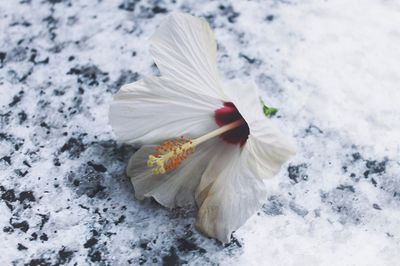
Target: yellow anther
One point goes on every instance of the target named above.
(170, 154)
(162, 170)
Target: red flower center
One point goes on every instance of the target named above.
(228, 114)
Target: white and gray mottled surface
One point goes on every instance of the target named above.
(331, 67)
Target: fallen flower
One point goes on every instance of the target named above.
(228, 147)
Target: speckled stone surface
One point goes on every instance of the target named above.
(331, 67)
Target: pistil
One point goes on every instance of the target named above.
(170, 154)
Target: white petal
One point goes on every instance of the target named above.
(266, 153)
(155, 109)
(267, 148)
(175, 188)
(246, 99)
(233, 197)
(222, 156)
(184, 49)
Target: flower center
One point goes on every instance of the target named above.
(227, 114)
(170, 154)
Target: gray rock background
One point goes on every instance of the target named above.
(331, 67)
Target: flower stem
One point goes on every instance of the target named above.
(218, 131)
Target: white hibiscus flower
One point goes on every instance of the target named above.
(228, 148)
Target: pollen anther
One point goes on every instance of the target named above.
(170, 154)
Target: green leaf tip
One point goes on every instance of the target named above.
(268, 111)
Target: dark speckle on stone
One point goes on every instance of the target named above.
(55, 1)
(270, 18)
(346, 188)
(21, 247)
(8, 229)
(33, 237)
(185, 245)
(301, 211)
(248, 59)
(376, 206)
(7, 159)
(17, 54)
(4, 136)
(366, 174)
(52, 24)
(97, 167)
(95, 190)
(44, 237)
(56, 162)
(26, 196)
(45, 125)
(20, 173)
(145, 245)
(356, 156)
(142, 260)
(95, 256)
(274, 206)
(2, 57)
(234, 242)
(74, 146)
(22, 117)
(38, 262)
(89, 75)
(375, 167)
(314, 130)
(9, 195)
(5, 118)
(128, 5)
(35, 61)
(64, 256)
(91, 181)
(158, 10)
(16, 99)
(171, 258)
(83, 207)
(44, 220)
(90, 242)
(76, 182)
(229, 12)
(23, 226)
(121, 219)
(297, 173)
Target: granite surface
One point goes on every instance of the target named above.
(331, 67)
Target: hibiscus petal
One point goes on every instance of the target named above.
(246, 99)
(267, 148)
(156, 108)
(175, 188)
(266, 151)
(234, 195)
(184, 49)
(218, 160)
